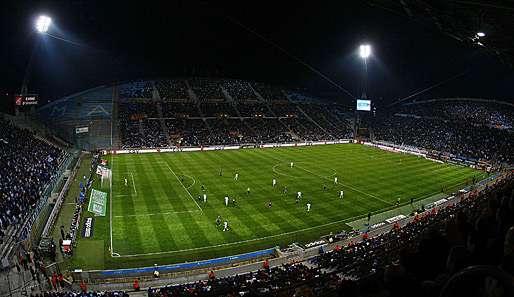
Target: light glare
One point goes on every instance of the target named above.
(43, 23)
(480, 34)
(365, 51)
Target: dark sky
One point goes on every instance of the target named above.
(124, 40)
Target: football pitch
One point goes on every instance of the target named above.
(154, 214)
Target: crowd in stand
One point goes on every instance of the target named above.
(218, 110)
(179, 110)
(458, 138)
(239, 90)
(254, 110)
(27, 165)
(137, 129)
(207, 89)
(222, 103)
(138, 89)
(223, 126)
(269, 93)
(476, 112)
(172, 90)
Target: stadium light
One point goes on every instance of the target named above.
(43, 23)
(365, 51)
(480, 34)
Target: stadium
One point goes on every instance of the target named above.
(212, 185)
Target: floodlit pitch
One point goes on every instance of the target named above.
(160, 214)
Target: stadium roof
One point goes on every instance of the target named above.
(462, 20)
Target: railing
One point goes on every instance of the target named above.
(58, 203)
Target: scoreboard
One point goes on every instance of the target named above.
(24, 100)
(364, 105)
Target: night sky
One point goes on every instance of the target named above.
(113, 41)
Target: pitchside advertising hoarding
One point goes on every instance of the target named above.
(24, 100)
(97, 202)
(364, 105)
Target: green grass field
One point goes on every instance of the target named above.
(157, 218)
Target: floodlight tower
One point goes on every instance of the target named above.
(42, 24)
(364, 53)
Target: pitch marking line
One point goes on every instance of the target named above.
(156, 214)
(133, 183)
(110, 206)
(280, 173)
(189, 193)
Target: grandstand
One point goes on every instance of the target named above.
(210, 148)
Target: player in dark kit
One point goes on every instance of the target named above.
(218, 220)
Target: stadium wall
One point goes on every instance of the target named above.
(226, 147)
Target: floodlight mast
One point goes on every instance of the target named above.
(41, 25)
(365, 53)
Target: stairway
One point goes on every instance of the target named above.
(140, 127)
(227, 96)
(115, 127)
(156, 98)
(312, 120)
(190, 92)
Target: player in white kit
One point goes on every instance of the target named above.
(226, 200)
(125, 182)
(236, 176)
(335, 180)
(292, 164)
(274, 182)
(341, 194)
(204, 198)
(308, 206)
(225, 226)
